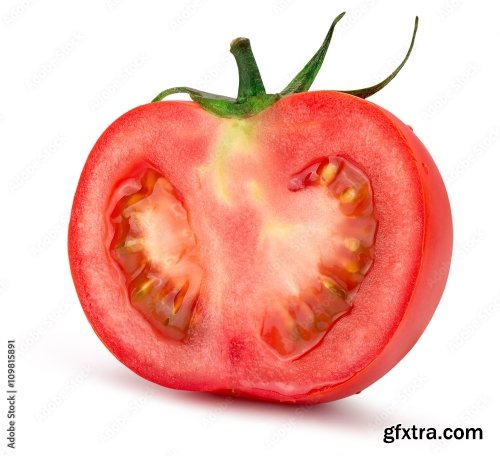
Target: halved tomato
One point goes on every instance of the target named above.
(286, 247)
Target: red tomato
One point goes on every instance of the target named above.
(287, 247)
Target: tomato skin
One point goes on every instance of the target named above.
(419, 295)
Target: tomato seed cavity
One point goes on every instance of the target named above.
(157, 252)
(293, 325)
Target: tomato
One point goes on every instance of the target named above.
(288, 247)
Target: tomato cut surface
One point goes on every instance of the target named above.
(290, 256)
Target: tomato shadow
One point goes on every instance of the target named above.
(352, 413)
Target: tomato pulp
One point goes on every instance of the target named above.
(295, 254)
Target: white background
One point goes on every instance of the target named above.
(70, 68)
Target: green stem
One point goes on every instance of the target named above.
(250, 83)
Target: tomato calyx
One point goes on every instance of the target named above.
(252, 97)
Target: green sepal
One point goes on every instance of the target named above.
(195, 94)
(369, 91)
(304, 79)
(224, 106)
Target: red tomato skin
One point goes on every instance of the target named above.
(423, 290)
